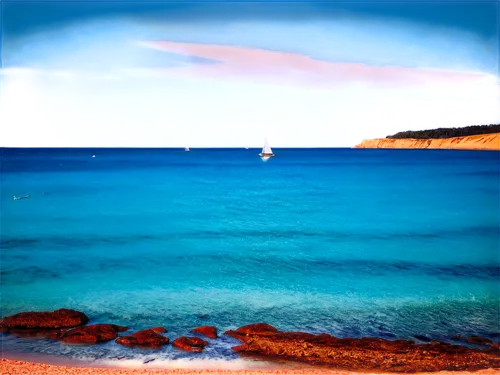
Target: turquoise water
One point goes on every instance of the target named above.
(352, 242)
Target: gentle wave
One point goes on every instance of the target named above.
(82, 240)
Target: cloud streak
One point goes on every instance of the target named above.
(282, 67)
(105, 77)
(61, 74)
(36, 72)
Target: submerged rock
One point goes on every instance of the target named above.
(422, 338)
(62, 318)
(147, 338)
(493, 349)
(479, 340)
(252, 329)
(361, 354)
(37, 333)
(190, 344)
(208, 331)
(91, 334)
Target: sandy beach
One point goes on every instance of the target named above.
(11, 367)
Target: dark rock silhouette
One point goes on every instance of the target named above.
(447, 132)
(479, 340)
(19, 125)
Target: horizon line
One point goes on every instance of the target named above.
(166, 147)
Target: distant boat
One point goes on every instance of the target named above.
(93, 156)
(22, 197)
(266, 153)
(186, 149)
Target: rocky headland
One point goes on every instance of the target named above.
(265, 341)
(475, 137)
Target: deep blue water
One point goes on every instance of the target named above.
(352, 242)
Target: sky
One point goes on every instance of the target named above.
(231, 73)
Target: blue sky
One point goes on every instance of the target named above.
(231, 73)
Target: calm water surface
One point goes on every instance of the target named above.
(352, 242)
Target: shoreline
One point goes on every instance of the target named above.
(244, 363)
(263, 367)
(18, 367)
(262, 348)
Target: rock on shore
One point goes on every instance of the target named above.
(147, 338)
(364, 353)
(190, 344)
(91, 334)
(209, 331)
(355, 354)
(62, 318)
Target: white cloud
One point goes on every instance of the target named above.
(16, 72)
(59, 73)
(62, 74)
(105, 77)
(33, 72)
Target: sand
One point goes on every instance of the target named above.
(11, 367)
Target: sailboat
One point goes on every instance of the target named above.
(266, 153)
(186, 149)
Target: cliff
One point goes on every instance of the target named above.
(473, 142)
(465, 131)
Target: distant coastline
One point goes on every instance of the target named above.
(447, 132)
(483, 137)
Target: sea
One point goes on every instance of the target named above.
(350, 242)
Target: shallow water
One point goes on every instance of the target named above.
(352, 242)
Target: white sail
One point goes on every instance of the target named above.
(266, 149)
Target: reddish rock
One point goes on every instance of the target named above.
(208, 331)
(159, 330)
(362, 354)
(54, 334)
(190, 344)
(257, 328)
(493, 349)
(62, 318)
(147, 338)
(91, 334)
(479, 340)
(252, 329)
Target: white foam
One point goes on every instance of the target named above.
(186, 363)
